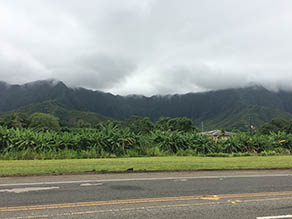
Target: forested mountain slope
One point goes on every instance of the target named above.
(230, 108)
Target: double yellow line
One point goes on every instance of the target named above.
(272, 196)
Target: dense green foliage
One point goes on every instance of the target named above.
(37, 121)
(139, 124)
(15, 120)
(143, 125)
(67, 117)
(112, 140)
(44, 122)
(175, 124)
(276, 125)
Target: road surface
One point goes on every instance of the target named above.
(215, 194)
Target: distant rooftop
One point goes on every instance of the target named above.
(217, 133)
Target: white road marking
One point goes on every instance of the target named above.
(180, 180)
(145, 179)
(91, 184)
(31, 189)
(275, 217)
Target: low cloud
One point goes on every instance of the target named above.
(147, 47)
(96, 71)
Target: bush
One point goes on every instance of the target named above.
(44, 122)
(268, 153)
(282, 151)
(187, 152)
(218, 155)
(244, 154)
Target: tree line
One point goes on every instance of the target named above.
(39, 136)
(137, 124)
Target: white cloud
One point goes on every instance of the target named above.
(147, 47)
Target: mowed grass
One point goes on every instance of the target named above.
(36, 167)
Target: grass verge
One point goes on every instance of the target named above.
(36, 167)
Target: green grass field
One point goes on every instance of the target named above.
(35, 167)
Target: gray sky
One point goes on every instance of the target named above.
(147, 46)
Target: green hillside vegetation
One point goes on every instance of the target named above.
(67, 117)
(229, 109)
(276, 125)
(242, 118)
(236, 119)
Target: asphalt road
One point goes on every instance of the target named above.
(214, 194)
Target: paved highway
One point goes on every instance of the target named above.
(214, 194)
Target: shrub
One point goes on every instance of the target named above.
(268, 153)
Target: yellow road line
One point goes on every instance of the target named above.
(145, 200)
(116, 210)
(266, 199)
(153, 207)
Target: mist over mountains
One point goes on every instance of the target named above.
(229, 108)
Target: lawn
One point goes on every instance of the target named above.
(36, 167)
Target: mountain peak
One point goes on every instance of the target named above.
(3, 83)
(254, 86)
(48, 82)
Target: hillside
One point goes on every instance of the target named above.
(231, 108)
(67, 117)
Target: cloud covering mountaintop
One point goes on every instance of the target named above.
(149, 46)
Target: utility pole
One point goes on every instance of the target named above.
(202, 126)
(250, 126)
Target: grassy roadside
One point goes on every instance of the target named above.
(35, 167)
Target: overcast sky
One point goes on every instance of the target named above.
(147, 46)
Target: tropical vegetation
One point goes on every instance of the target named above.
(40, 136)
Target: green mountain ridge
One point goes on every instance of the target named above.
(229, 108)
(68, 117)
(242, 119)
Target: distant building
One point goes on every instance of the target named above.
(218, 134)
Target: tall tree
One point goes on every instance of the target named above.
(276, 125)
(16, 120)
(138, 124)
(43, 122)
(174, 124)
